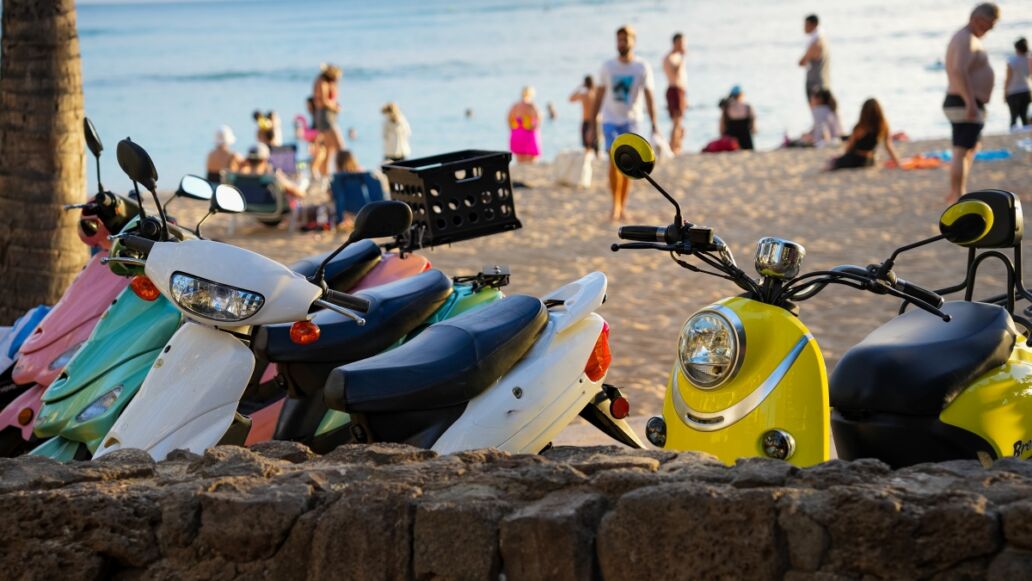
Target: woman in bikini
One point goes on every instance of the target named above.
(324, 98)
(871, 130)
(524, 120)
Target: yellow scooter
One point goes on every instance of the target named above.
(750, 379)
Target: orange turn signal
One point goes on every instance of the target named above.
(304, 332)
(598, 362)
(144, 288)
(25, 416)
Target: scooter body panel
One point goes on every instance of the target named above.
(15, 335)
(392, 267)
(58, 448)
(184, 402)
(782, 384)
(997, 406)
(30, 399)
(528, 407)
(288, 295)
(45, 353)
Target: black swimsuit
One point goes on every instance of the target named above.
(860, 155)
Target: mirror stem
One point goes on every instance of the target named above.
(139, 200)
(197, 228)
(161, 214)
(100, 186)
(319, 272)
(887, 265)
(678, 222)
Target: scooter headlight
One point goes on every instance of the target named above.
(61, 360)
(711, 347)
(100, 405)
(212, 300)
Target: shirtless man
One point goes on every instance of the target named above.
(585, 95)
(676, 99)
(970, 84)
(816, 59)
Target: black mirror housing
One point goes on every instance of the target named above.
(92, 138)
(380, 219)
(136, 163)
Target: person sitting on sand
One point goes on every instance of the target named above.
(737, 118)
(257, 163)
(222, 158)
(524, 120)
(871, 130)
(826, 130)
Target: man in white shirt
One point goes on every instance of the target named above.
(624, 83)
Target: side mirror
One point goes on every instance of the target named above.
(966, 222)
(633, 156)
(195, 187)
(228, 199)
(92, 138)
(379, 219)
(136, 163)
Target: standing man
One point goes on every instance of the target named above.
(970, 84)
(622, 84)
(816, 59)
(676, 97)
(585, 95)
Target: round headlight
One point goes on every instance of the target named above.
(711, 348)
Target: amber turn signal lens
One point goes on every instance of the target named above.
(304, 332)
(144, 288)
(598, 362)
(25, 416)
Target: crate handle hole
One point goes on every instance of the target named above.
(473, 173)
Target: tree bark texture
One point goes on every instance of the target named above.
(41, 153)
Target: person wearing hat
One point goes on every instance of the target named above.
(222, 158)
(257, 163)
(737, 118)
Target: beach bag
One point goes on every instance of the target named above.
(725, 143)
(573, 168)
(660, 146)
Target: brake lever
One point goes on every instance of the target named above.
(76, 206)
(643, 246)
(123, 260)
(341, 311)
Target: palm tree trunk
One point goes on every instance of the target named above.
(41, 153)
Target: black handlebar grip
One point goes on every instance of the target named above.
(643, 233)
(347, 301)
(921, 293)
(137, 243)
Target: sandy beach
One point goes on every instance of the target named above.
(845, 217)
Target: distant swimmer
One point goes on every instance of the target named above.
(970, 84)
(676, 93)
(816, 59)
(585, 95)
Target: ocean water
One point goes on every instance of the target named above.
(168, 74)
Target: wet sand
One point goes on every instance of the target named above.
(845, 217)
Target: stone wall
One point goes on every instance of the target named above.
(392, 512)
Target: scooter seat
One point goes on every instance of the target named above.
(395, 310)
(916, 363)
(346, 269)
(448, 364)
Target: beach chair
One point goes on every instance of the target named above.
(284, 158)
(351, 191)
(266, 202)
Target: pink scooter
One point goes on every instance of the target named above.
(55, 341)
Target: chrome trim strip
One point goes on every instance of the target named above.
(736, 323)
(713, 421)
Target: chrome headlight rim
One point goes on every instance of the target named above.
(734, 323)
(208, 316)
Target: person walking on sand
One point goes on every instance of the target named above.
(1017, 88)
(396, 133)
(624, 84)
(816, 59)
(676, 93)
(585, 95)
(524, 120)
(970, 84)
(324, 96)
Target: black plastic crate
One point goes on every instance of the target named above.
(454, 196)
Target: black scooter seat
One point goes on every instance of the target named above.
(396, 309)
(916, 363)
(346, 269)
(448, 364)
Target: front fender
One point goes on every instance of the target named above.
(189, 397)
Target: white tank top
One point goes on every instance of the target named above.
(1018, 66)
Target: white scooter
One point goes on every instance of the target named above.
(510, 375)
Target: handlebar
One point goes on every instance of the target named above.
(667, 234)
(347, 301)
(919, 293)
(137, 243)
